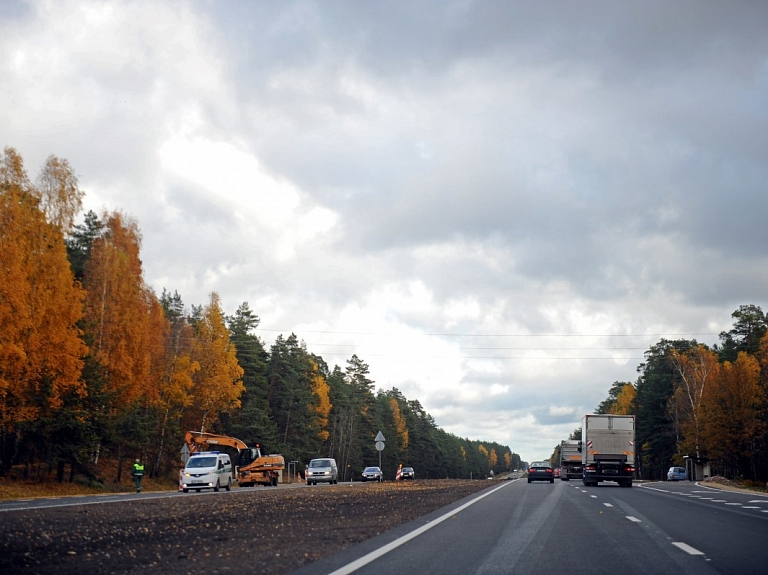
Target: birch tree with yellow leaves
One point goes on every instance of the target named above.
(733, 426)
(695, 370)
(119, 313)
(40, 348)
(218, 383)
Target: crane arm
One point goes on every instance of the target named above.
(198, 441)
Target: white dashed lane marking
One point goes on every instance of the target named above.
(687, 548)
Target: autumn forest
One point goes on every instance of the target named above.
(95, 366)
(706, 403)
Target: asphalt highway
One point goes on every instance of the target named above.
(565, 527)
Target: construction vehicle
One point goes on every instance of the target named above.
(570, 460)
(608, 449)
(252, 467)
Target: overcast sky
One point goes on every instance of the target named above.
(499, 206)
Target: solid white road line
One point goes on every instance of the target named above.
(373, 555)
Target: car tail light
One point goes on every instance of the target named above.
(590, 467)
(629, 468)
(549, 471)
(530, 470)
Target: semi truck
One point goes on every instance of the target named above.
(252, 468)
(570, 460)
(608, 449)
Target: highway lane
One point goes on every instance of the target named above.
(567, 527)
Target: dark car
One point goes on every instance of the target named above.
(372, 474)
(406, 473)
(541, 471)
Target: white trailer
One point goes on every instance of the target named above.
(608, 448)
(570, 460)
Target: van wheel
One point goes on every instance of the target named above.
(217, 486)
(198, 490)
(185, 490)
(229, 485)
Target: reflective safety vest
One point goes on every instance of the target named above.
(138, 469)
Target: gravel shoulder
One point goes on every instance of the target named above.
(263, 531)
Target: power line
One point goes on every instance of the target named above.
(502, 334)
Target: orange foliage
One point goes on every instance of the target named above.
(40, 349)
(696, 370)
(624, 404)
(322, 401)
(731, 411)
(121, 312)
(400, 425)
(218, 384)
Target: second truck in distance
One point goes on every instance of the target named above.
(570, 460)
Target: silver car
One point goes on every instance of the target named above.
(373, 474)
(676, 474)
(322, 470)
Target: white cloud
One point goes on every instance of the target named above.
(499, 220)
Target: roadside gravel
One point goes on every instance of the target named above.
(262, 531)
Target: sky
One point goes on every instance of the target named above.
(498, 206)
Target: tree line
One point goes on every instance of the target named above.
(95, 365)
(707, 403)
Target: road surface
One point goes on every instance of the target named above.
(659, 528)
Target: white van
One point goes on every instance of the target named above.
(322, 470)
(207, 470)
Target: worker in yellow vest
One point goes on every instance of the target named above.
(138, 473)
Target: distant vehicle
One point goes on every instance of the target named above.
(570, 460)
(373, 474)
(676, 474)
(207, 470)
(323, 470)
(405, 473)
(608, 449)
(541, 471)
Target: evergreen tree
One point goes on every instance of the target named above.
(251, 423)
(657, 434)
(750, 327)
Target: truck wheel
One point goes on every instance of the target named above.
(217, 486)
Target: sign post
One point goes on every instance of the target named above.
(380, 446)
